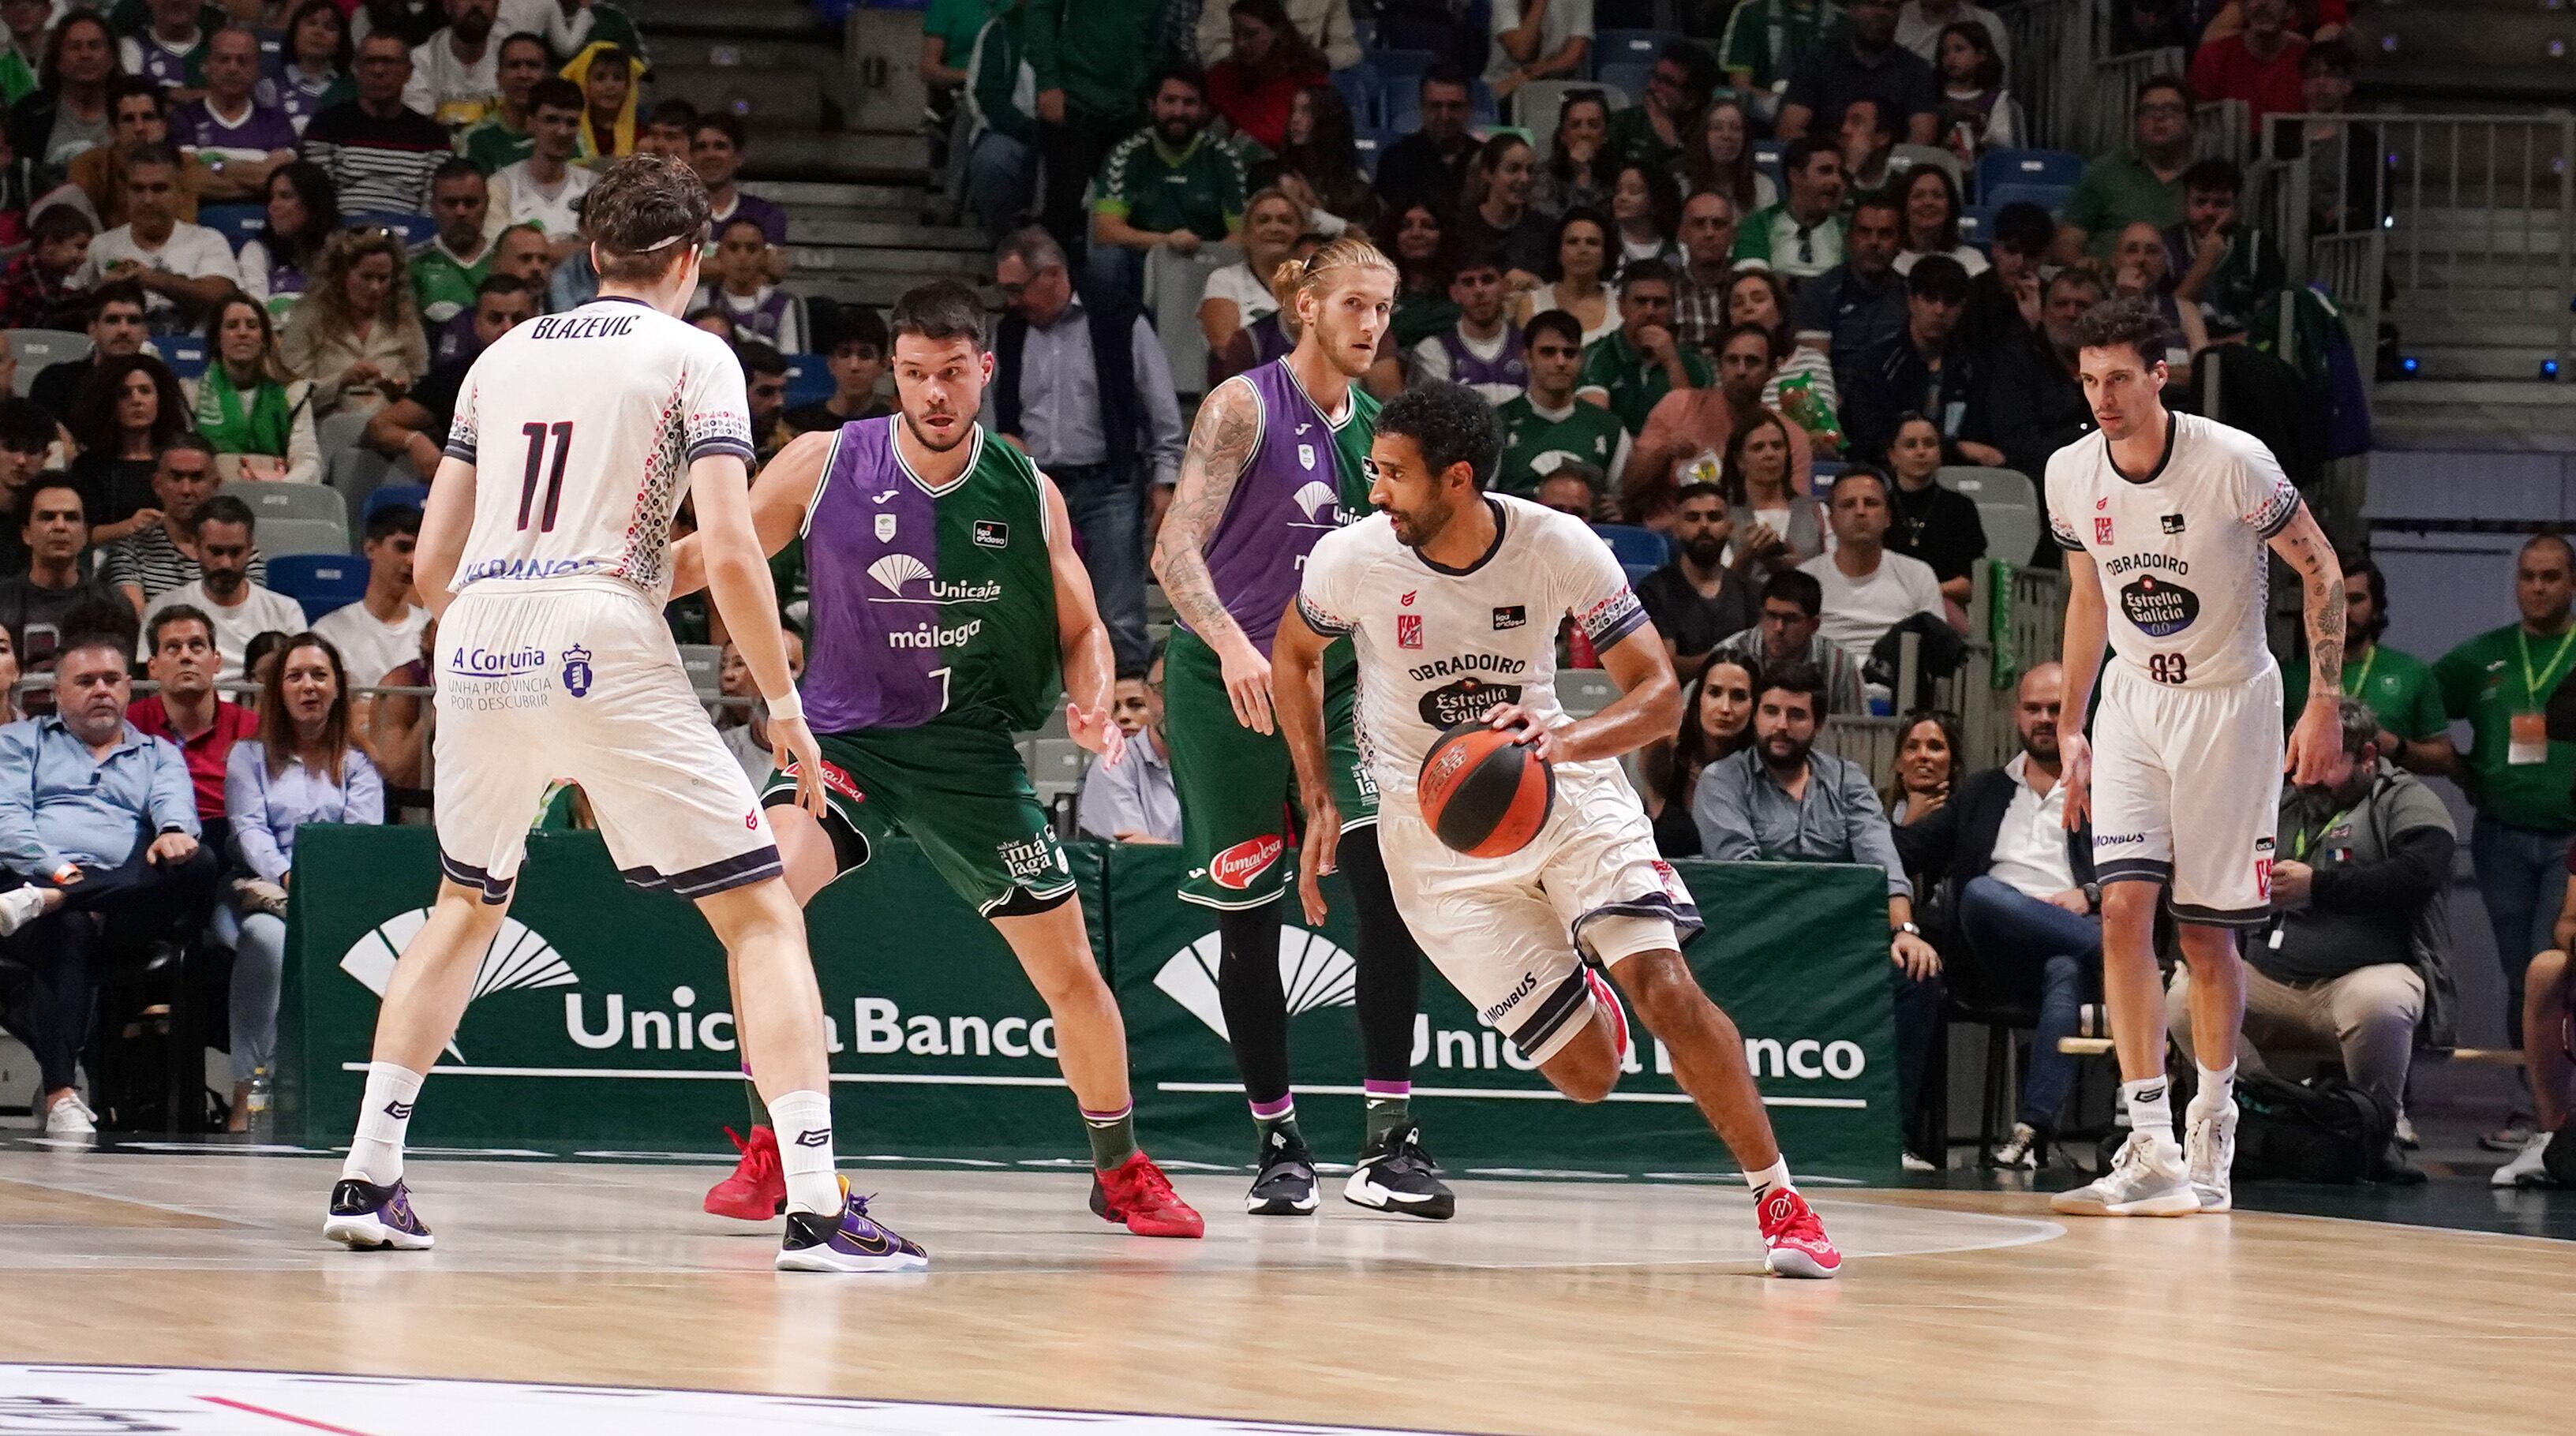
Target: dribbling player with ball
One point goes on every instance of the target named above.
(2165, 519)
(1447, 580)
(546, 553)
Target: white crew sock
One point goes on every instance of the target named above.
(2217, 1090)
(2150, 1106)
(384, 1117)
(1774, 1176)
(804, 1124)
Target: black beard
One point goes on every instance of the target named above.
(1705, 550)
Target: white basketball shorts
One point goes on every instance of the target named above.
(1512, 934)
(2187, 791)
(583, 684)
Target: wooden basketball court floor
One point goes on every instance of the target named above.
(1545, 1307)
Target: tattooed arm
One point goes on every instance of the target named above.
(2303, 546)
(1221, 445)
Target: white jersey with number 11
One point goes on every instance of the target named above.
(581, 427)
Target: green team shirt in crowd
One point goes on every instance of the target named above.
(2397, 686)
(1633, 381)
(2117, 191)
(2491, 680)
(1199, 188)
(17, 77)
(1766, 38)
(442, 284)
(1099, 52)
(1535, 446)
(957, 22)
(490, 145)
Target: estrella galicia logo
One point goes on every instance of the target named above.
(991, 533)
(1466, 701)
(2159, 606)
(1508, 616)
(577, 671)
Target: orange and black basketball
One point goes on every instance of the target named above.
(1484, 794)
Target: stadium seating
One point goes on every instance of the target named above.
(1364, 90)
(411, 228)
(809, 380)
(313, 536)
(1627, 79)
(274, 502)
(1635, 545)
(185, 354)
(237, 223)
(320, 582)
(1906, 157)
(704, 663)
(1055, 767)
(2007, 504)
(2055, 168)
(1629, 47)
(385, 496)
(2048, 197)
(36, 348)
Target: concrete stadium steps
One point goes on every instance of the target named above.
(826, 155)
(867, 243)
(729, 20)
(761, 96)
(2489, 414)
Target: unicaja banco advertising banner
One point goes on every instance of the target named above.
(600, 1020)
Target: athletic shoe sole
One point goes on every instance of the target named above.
(1279, 1206)
(826, 1259)
(2170, 1204)
(1797, 1265)
(1363, 1191)
(2218, 1208)
(369, 1233)
(751, 1211)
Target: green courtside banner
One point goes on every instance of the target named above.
(600, 1020)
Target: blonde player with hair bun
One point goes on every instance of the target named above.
(1277, 460)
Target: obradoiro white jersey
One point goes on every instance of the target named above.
(1438, 647)
(2180, 551)
(581, 428)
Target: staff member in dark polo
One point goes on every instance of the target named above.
(1103, 432)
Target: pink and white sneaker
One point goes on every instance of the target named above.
(1793, 1241)
(1608, 997)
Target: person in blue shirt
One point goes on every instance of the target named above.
(99, 823)
(302, 768)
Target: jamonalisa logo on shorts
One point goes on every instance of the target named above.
(1237, 866)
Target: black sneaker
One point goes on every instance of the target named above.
(366, 1217)
(1396, 1175)
(1285, 1185)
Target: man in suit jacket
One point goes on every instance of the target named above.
(2023, 912)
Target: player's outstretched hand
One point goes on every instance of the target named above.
(1247, 685)
(2313, 743)
(792, 747)
(1093, 729)
(2075, 771)
(1526, 730)
(1315, 857)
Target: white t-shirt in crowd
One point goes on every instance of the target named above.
(369, 647)
(517, 198)
(192, 251)
(1859, 611)
(1237, 282)
(261, 610)
(1565, 19)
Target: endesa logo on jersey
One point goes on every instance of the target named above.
(1237, 866)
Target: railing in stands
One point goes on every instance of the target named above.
(2052, 45)
(2473, 214)
(2034, 609)
(2110, 98)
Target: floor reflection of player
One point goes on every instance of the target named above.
(1449, 579)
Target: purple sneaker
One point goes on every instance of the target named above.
(366, 1217)
(855, 1242)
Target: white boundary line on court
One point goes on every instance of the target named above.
(1545, 1095)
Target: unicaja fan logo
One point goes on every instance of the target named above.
(1312, 971)
(517, 958)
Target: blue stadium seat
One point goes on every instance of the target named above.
(1634, 545)
(184, 353)
(1364, 90)
(1399, 72)
(385, 496)
(809, 380)
(413, 228)
(1631, 79)
(1977, 227)
(237, 223)
(2047, 196)
(1628, 47)
(320, 582)
(2052, 168)
(1371, 144)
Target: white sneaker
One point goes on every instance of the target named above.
(2146, 1180)
(2020, 1151)
(71, 1117)
(19, 907)
(2209, 1154)
(2525, 1170)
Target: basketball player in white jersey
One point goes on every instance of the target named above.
(2165, 519)
(545, 553)
(1451, 597)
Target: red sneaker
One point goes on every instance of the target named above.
(1138, 1194)
(757, 1190)
(1608, 997)
(1794, 1242)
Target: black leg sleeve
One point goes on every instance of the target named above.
(1390, 961)
(1256, 1006)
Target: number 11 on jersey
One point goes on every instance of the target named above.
(537, 435)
